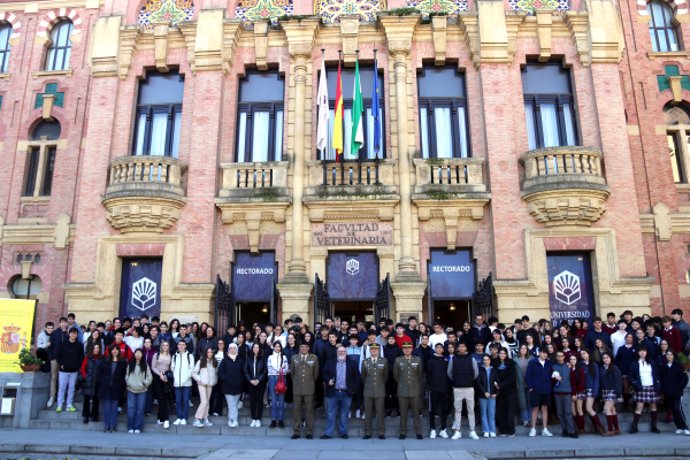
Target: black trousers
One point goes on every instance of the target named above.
(676, 406)
(217, 401)
(256, 400)
(90, 408)
(439, 406)
(162, 392)
(392, 395)
(357, 399)
(506, 405)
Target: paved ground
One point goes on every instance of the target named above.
(45, 444)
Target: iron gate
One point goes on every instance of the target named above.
(382, 306)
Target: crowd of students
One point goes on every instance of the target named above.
(526, 372)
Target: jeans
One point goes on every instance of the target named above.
(135, 410)
(339, 402)
(467, 395)
(233, 403)
(148, 407)
(277, 401)
(525, 411)
(487, 406)
(182, 395)
(67, 383)
(109, 412)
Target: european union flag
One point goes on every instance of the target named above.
(375, 109)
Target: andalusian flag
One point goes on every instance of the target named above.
(338, 117)
(357, 112)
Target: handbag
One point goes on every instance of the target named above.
(281, 386)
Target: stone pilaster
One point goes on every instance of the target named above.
(399, 32)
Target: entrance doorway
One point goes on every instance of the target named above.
(354, 311)
(254, 312)
(452, 312)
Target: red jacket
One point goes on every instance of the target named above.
(577, 380)
(674, 339)
(402, 339)
(125, 351)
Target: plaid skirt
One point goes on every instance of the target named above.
(647, 395)
(588, 393)
(608, 395)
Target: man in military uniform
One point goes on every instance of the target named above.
(305, 372)
(408, 372)
(374, 376)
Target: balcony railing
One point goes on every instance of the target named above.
(248, 179)
(562, 167)
(450, 175)
(351, 173)
(146, 175)
(367, 177)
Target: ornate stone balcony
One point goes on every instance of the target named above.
(564, 185)
(145, 193)
(328, 180)
(265, 181)
(448, 177)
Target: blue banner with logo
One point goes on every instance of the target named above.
(352, 276)
(253, 276)
(140, 291)
(451, 275)
(571, 294)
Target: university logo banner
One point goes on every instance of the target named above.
(570, 287)
(352, 276)
(451, 275)
(253, 277)
(16, 323)
(141, 287)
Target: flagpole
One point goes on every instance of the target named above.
(359, 156)
(323, 150)
(338, 154)
(376, 120)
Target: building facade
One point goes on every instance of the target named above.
(161, 157)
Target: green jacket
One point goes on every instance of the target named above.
(304, 375)
(374, 377)
(409, 373)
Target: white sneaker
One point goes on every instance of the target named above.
(432, 435)
(166, 424)
(229, 424)
(686, 432)
(258, 424)
(443, 434)
(457, 435)
(253, 424)
(130, 431)
(190, 404)
(177, 422)
(240, 405)
(473, 435)
(159, 422)
(235, 424)
(546, 432)
(486, 434)
(679, 431)
(358, 414)
(207, 423)
(492, 434)
(183, 421)
(137, 431)
(198, 423)
(532, 432)
(51, 401)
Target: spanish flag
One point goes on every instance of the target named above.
(338, 120)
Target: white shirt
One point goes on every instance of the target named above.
(646, 374)
(437, 338)
(618, 340)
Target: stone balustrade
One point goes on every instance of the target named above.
(449, 175)
(329, 179)
(252, 179)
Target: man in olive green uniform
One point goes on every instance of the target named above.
(374, 376)
(408, 372)
(305, 372)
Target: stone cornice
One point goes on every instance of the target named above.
(399, 32)
(300, 36)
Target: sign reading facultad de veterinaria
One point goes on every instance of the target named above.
(352, 234)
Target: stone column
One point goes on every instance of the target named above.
(295, 289)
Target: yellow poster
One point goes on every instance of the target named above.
(16, 322)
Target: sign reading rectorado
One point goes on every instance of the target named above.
(352, 234)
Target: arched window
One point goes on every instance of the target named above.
(38, 177)
(22, 288)
(60, 46)
(677, 120)
(661, 29)
(5, 32)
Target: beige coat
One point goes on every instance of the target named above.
(205, 376)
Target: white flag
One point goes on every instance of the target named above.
(322, 103)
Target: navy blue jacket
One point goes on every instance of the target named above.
(593, 335)
(591, 373)
(625, 357)
(352, 377)
(111, 384)
(635, 376)
(436, 374)
(611, 379)
(231, 375)
(674, 379)
(538, 377)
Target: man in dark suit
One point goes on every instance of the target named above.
(341, 377)
(305, 372)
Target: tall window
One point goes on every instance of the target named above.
(366, 78)
(443, 113)
(5, 32)
(548, 106)
(677, 120)
(159, 115)
(260, 117)
(661, 29)
(60, 46)
(38, 177)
